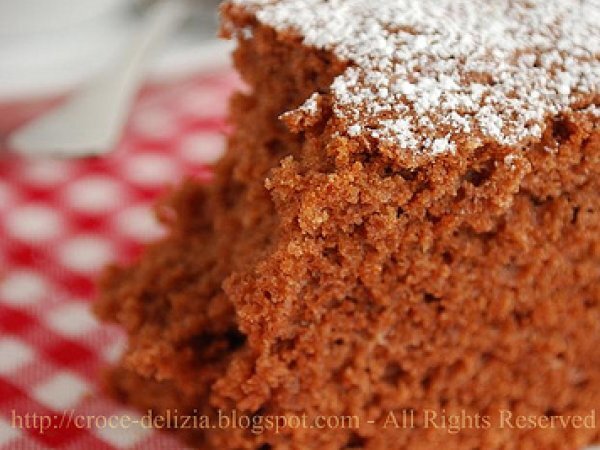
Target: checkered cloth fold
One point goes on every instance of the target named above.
(61, 221)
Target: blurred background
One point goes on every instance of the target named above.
(63, 219)
(49, 48)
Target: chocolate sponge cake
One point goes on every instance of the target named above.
(401, 245)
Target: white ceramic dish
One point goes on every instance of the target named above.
(56, 60)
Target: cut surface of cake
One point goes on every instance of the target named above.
(403, 232)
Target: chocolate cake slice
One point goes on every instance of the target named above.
(401, 246)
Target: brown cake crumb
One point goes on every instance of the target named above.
(332, 271)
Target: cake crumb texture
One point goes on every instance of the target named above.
(323, 274)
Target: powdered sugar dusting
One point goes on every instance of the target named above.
(594, 110)
(425, 73)
(311, 106)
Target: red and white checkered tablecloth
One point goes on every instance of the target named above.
(61, 221)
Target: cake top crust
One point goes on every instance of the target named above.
(427, 75)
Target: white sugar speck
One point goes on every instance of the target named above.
(442, 145)
(311, 106)
(354, 130)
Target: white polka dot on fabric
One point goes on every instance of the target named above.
(124, 437)
(155, 123)
(113, 351)
(46, 172)
(14, 354)
(86, 253)
(94, 194)
(203, 103)
(22, 287)
(8, 434)
(202, 148)
(34, 223)
(72, 319)
(149, 169)
(139, 223)
(62, 391)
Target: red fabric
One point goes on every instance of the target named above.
(60, 222)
